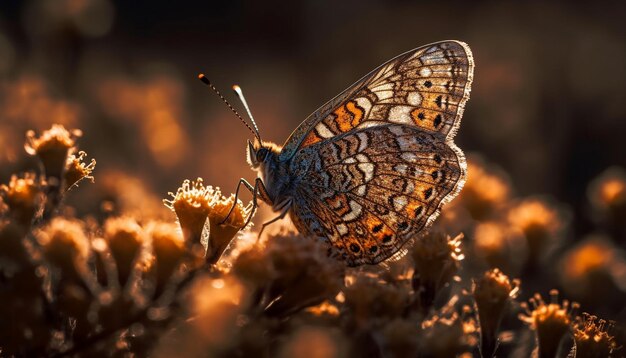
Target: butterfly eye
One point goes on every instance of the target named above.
(261, 154)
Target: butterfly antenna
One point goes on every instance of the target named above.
(239, 92)
(206, 81)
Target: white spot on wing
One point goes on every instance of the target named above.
(384, 94)
(342, 229)
(401, 168)
(323, 130)
(388, 86)
(409, 157)
(414, 98)
(399, 202)
(355, 211)
(400, 114)
(425, 72)
(368, 170)
(364, 103)
(360, 190)
(370, 123)
(349, 160)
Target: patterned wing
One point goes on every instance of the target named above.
(425, 88)
(372, 190)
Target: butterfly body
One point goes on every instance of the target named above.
(371, 169)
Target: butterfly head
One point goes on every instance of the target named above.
(260, 153)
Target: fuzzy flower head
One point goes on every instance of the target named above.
(52, 148)
(194, 203)
(486, 190)
(65, 245)
(609, 189)
(541, 222)
(549, 320)
(22, 197)
(492, 293)
(76, 169)
(499, 245)
(592, 337)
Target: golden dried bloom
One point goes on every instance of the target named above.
(499, 245)
(194, 203)
(168, 249)
(436, 259)
(541, 222)
(293, 272)
(587, 271)
(23, 197)
(52, 148)
(65, 245)
(486, 190)
(592, 338)
(76, 169)
(491, 294)
(371, 300)
(550, 321)
(125, 239)
(609, 189)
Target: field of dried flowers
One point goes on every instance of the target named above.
(120, 284)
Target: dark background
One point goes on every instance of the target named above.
(547, 104)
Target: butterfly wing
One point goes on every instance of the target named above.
(371, 191)
(376, 163)
(425, 88)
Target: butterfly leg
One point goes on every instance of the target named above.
(259, 190)
(283, 213)
(249, 187)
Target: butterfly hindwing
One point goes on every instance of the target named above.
(372, 190)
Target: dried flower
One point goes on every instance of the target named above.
(370, 300)
(65, 246)
(23, 198)
(168, 249)
(550, 321)
(592, 338)
(541, 222)
(436, 259)
(587, 271)
(76, 170)
(499, 245)
(52, 148)
(125, 238)
(193, 203)
(293, 272)
(609, 189)
(492, 293)
(486, 190)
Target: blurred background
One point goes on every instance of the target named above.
(547, 106)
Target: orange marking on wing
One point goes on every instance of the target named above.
(310, 139)
(339, 204)
(348, 116)
(377, 228)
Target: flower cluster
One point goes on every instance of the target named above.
(129, 282)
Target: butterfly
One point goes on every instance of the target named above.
(371, 169)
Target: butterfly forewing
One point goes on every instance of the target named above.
(426, 88)
(373, 166)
